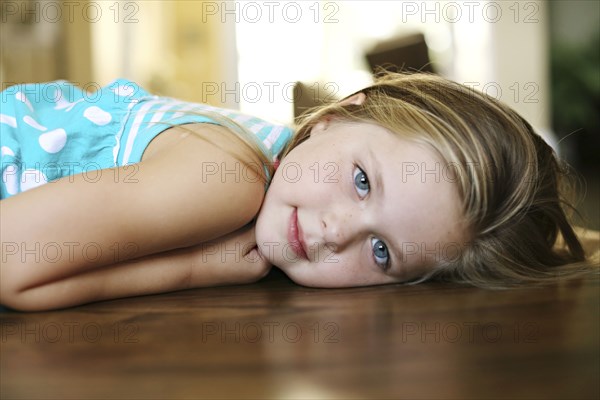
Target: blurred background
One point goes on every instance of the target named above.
(540, 57)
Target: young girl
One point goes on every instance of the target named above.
(120, 193)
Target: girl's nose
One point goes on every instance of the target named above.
(339, 229)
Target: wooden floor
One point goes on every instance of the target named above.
(275, 339)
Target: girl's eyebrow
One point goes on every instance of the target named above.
(379, 189)
(395, 267)
(378, 181)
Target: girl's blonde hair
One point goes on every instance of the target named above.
(509, 179)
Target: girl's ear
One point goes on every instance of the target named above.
(322, 125)
(356, 99)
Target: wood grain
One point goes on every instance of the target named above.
(274, 339)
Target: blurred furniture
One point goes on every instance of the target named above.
(405, 53)
(38, 46)
(309, 95)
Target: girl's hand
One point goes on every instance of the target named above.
(235, 258)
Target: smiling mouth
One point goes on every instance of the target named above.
(295, 236)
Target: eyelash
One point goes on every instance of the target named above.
(357, 168)
(385, 265)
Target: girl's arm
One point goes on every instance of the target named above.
(172, 200)
(232, 259)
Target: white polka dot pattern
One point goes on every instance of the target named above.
(55, 129)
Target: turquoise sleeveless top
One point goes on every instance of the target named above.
(51, 130)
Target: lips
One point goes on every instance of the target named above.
(295, 236)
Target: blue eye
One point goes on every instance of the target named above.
(380, 253)
(361, 182)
